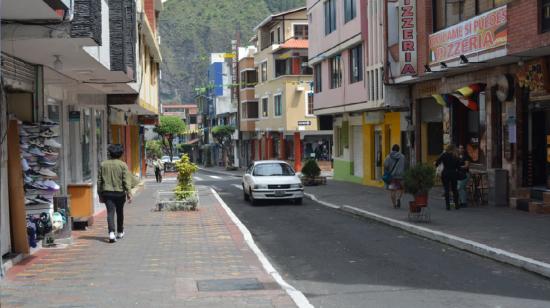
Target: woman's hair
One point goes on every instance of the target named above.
(395, 148)
(115, 151)
(451, 149)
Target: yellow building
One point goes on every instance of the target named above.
(284, 93)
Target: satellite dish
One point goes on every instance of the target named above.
(505, 87)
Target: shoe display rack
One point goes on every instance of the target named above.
(39, 144)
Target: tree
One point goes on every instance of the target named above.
(153, 147)
(168, 128)
(223, 134)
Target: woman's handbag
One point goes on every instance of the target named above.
(387, 177)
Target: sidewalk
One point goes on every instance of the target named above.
(167, 259)
(512, 236)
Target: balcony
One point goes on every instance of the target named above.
(34, 9)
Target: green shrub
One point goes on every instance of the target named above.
(185, 187)
(311, 168)
(419, 179)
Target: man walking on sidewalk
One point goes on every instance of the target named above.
(394, 167)
(114, 186)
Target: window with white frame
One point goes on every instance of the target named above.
(356, 64)
(278, 105)
(309, 104)
(301, 31)
(350, 10)
(335, 72)
(263, 70)
(330, 16)
(265, 107)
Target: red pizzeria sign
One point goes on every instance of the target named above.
(483, 32)
(407, 37)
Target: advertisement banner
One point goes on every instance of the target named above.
(407, 37)
(483, 32)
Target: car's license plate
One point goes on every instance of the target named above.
(279, 193)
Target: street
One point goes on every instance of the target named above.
(338, 260)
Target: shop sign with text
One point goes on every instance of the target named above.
(407, 37)
(483, 32)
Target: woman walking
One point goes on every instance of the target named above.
(463, 176)
(449, 176)
(114, 183)
(394, 167)
(158, 165)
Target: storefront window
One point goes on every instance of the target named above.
(85, 143)
(99, 135)
(451, 12)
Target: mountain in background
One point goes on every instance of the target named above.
(192, 29)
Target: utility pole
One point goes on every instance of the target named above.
(238, 94)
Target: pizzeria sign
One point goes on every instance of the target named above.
(483, 32)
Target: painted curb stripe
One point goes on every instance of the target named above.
(297, 296)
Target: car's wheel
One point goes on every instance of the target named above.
(298, 201)
(254, 201)
(245, 195)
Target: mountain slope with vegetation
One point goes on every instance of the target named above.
(192, 29)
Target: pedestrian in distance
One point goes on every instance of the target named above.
(463, 176)
(449, 176)
(394, 169)
(114, 184)
(158, 165)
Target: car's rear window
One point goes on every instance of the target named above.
(273, 169)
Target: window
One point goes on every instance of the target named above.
(451, 12)
(249, 79)
(272, 37)
(317, 79)
(273, 169)
(278, 105)
(292, 66)
(350, 10)
(193, 119)
(356, 64)
(301, 32)
(263, 69)
(335, 72)
(545, 18)
(330, 16)
(265, 106)
(278, 35)
(309, 107)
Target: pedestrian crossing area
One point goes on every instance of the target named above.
(208, 177)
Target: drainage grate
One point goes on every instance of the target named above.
(217, 285)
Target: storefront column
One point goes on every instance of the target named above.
(253, 149)
(260, 148)
(128, 146)
(269, 147)
(282, 147)
(297, 152)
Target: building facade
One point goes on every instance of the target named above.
(92, 73)
(287, 128)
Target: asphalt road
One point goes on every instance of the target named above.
(338, 260)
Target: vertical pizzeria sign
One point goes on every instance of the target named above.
(407, 37)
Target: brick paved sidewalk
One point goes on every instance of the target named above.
(167, 259)
(508, 229)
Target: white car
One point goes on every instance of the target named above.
(166, 158)
(272, 179)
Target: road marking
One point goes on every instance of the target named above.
(297, 296)
(237, 186)
(215, 177)
(198, 178)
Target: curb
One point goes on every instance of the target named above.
(477, 248)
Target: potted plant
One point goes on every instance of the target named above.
(419, 179)
(311, 173)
